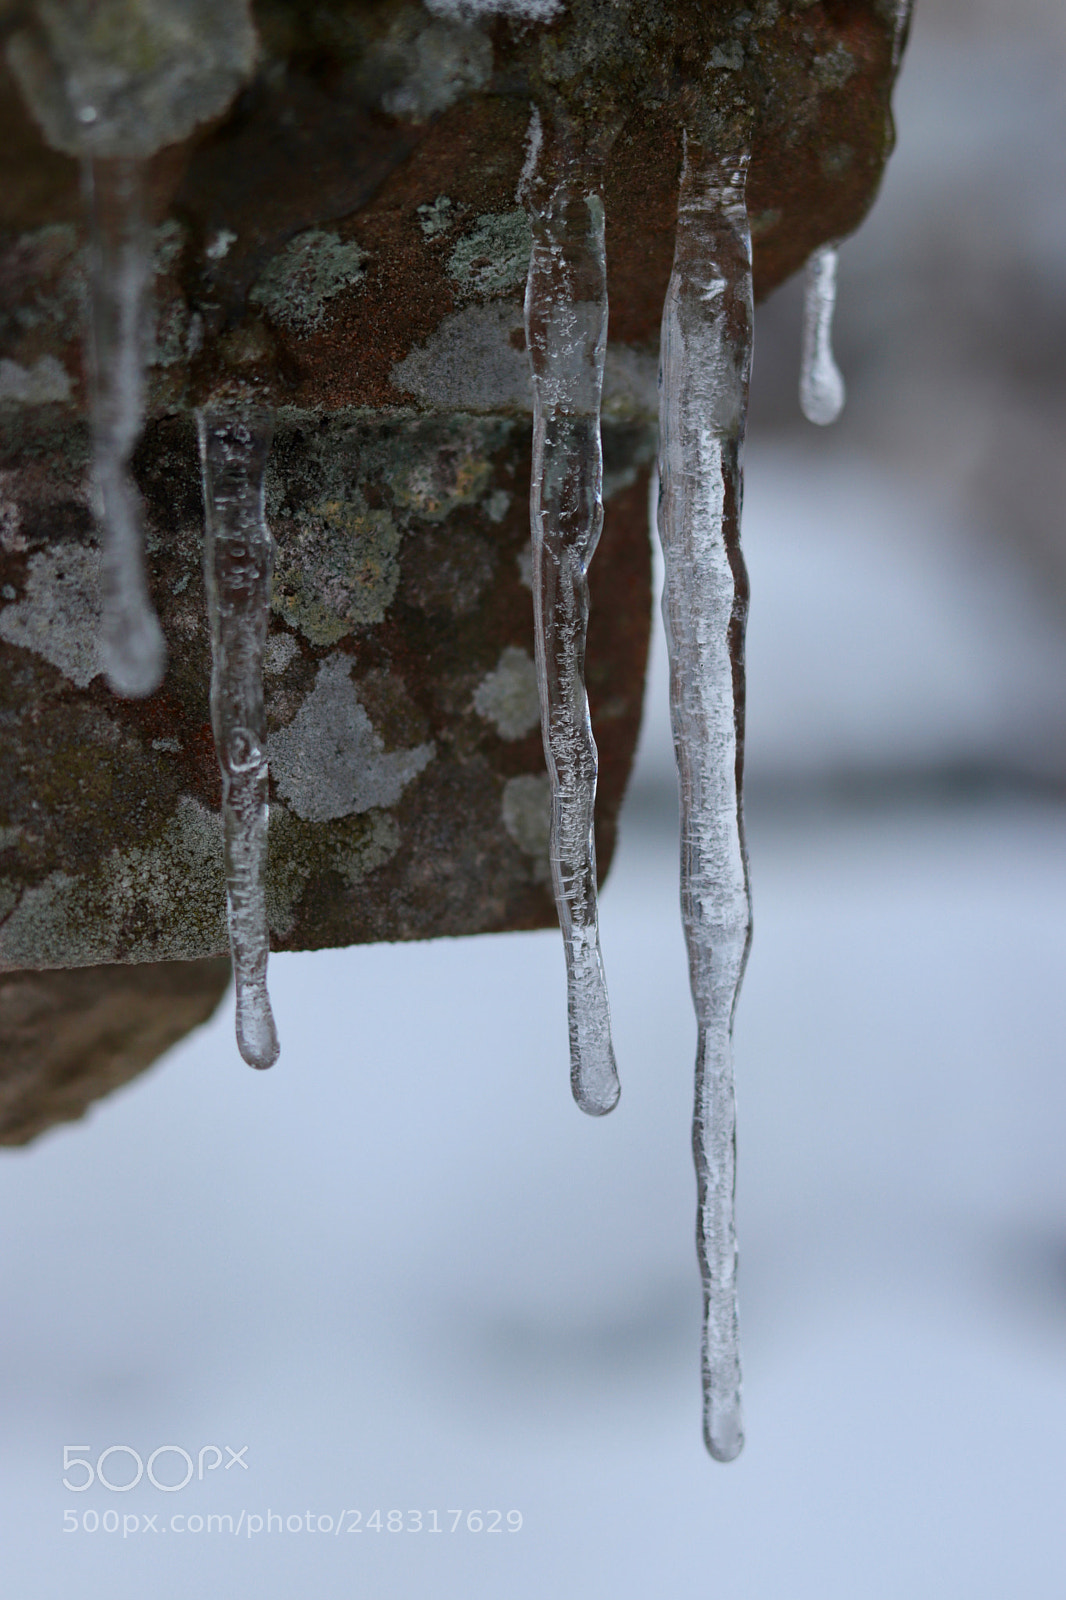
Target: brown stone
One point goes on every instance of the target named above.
(346, 242)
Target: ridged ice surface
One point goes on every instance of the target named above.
(238, 562)
(132, 650)
(821, 383)
(566, 333)
(705, 361)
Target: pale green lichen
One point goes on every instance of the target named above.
(437, 483)
(493, 258)
(135, 906)
(302, 280)
(437, 217)
(336, 569)
(298, 851)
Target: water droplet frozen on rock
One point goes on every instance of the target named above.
(238, 564)
(566, 333)
(821, 383)
(705, 362)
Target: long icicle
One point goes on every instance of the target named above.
(238, 562)
(566, 333)
(132, 649)
(821, 381)
(705, 362)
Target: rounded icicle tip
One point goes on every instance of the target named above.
(257, 1035)
(135, 660)
(723, 1431)
(596, 1093)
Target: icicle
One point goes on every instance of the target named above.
(132, 650)
(902, 23)
(238, 561)
(821, 383)
(566, 333)
(705, 362)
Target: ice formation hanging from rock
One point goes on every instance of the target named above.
(112, 83)
(132, 650)
(705, 362)
(238, 563)
(566, 334)
(821, 382)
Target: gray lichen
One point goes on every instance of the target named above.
(59, 616)
(508, 697)
(526, 811)
(330, 762)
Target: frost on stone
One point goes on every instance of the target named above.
(330, 761)
(705, 365)
(123, 78)
(238, 560)
(132, 650)
(821, 382)
(566, 335)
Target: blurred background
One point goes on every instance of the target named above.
(408, 1275)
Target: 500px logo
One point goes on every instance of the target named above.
(110, 1473)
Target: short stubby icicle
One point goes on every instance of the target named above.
(821, 382)
(132, 650)
(566, 332)
(705, 362)
(238, 561)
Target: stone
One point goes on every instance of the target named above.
(345, 243)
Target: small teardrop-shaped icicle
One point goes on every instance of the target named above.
(705, 364)
(821, 382)
(238, 565)
(132, 649)
(566, 334)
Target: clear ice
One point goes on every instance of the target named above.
(705, 362)
(566, 333)
(132, 650)
(821, 383)
(238, 565)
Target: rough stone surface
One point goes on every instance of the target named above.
(68, 1037)
(345, 242)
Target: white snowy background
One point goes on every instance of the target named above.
(407, 1273)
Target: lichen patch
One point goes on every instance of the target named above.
(508, 696)
(301, 282)
(331, 762)
(59, 616)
